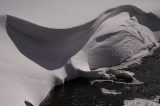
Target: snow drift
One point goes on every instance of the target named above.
(33, 59)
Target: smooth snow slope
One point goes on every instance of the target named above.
(33, 59)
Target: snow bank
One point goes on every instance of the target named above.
(33, 59)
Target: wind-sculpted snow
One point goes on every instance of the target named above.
(34, 59)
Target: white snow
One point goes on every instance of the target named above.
(34, 59)
(110, 92)
(140, 102)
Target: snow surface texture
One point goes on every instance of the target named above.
(140, 102)
(34, 59)
(135, 102)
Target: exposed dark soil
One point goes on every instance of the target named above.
(79, 92)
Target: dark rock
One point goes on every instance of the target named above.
(28, 103)
(124, 77)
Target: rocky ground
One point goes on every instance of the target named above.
(80, 92)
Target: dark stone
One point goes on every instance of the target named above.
(28, 103)
(124, 77)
